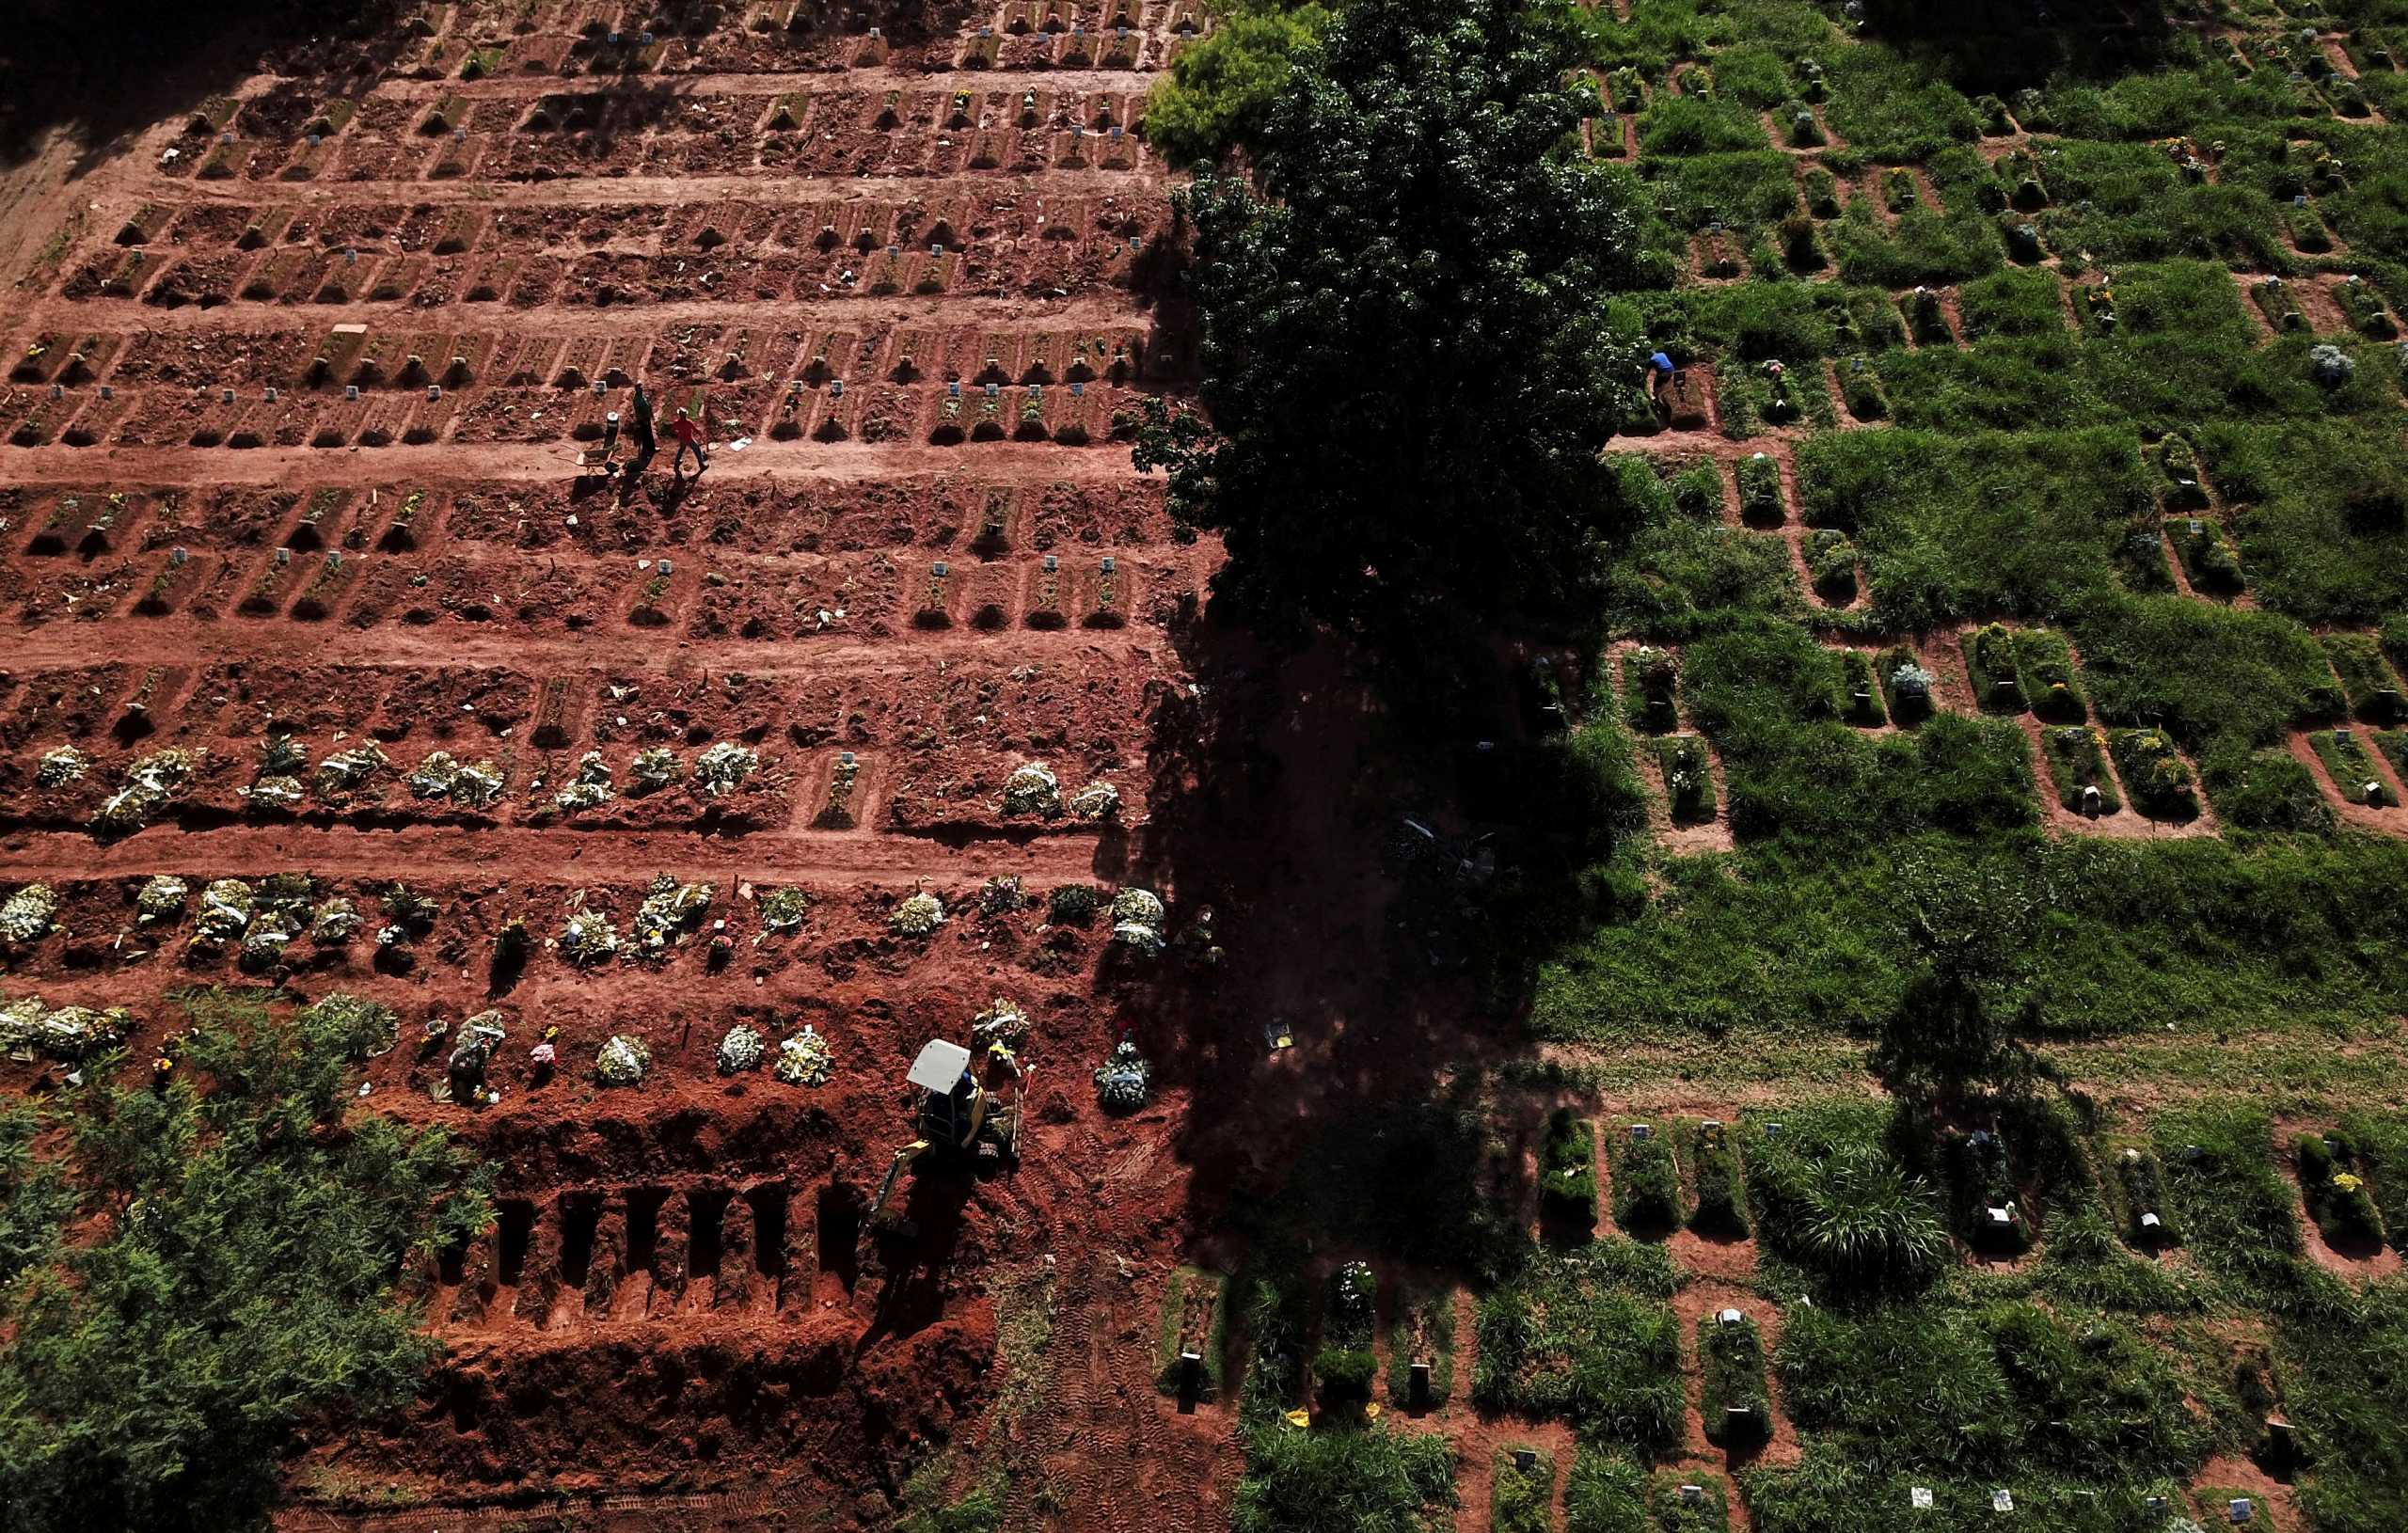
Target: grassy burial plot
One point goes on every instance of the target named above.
(2350, 765)
(1345, 1363)
(1521, 1496)
(1645, 1178)
(2366, 682)
(2154, 774)
(2334, 1180)
(1194, 1324)
(1650, 678)
(1688, 779)
(1831, 561)
(1906, 685)
(1761, 502)
(2079, 768)
(1586, 1337)
(1862, 693)
(1684, 1503)
(2210, 561)
(2051, 688)
(1990, 664)
(1720, 1208)
(1568, 1176)
(1606, 1492)
(2139, 1181)
(1732, 1400)
(1423, 1331)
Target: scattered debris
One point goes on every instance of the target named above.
(1138, 920)
(148, 784)
(27, 913)
(655, 766)
(669, 907)
(783, 910)
(591, 787)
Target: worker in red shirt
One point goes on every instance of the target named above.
(689, 438)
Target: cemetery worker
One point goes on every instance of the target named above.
(690, 439)
(1661, 373)
(640, 426)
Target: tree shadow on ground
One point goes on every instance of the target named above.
(108, 69)
(2001, 46)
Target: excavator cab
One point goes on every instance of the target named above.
(953, 1113)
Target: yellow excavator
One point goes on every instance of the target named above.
(957, 1114)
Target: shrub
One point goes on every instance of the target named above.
(159, 1363)
(1219, 90)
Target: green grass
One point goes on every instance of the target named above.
(1585, 1336)
(1367, 1480)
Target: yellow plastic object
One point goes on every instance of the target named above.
(1300, 1418)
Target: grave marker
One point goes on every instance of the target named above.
(1418, 1392)
(2002, 1500)
(1525, 1460)
(1919, 1497)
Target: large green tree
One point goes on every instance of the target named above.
(1405, 355)
(201, 1270)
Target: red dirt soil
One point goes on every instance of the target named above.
(911, 298)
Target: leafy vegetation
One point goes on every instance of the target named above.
(243, 1281)
(1404, 333)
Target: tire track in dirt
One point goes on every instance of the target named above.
(419, 853)
(682, 191)
(244, 317)
(363, 467)
(169, 642)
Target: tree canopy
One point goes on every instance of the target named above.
(1405, 352)
(236, 1277)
